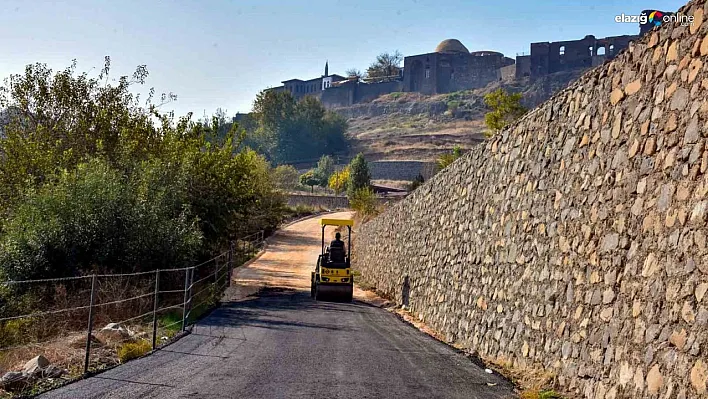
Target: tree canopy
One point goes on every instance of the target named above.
(387, 65)
(505, 109)
(287, 130)
(93, 179)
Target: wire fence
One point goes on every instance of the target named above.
(85, 323)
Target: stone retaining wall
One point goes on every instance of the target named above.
(576, 240)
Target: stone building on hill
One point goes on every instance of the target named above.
(451, 67)
(311, 87)
(552, 57)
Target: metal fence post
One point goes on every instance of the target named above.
(184, 304)
(90, 324)
(154, 309)
(231, 262)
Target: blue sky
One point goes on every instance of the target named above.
(222, 53)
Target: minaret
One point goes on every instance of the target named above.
(326, 69)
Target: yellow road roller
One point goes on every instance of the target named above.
(332, 277)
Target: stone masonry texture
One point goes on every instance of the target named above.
(576, 240)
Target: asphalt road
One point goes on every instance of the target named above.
(282, 344)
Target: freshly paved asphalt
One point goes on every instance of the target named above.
(282, 344)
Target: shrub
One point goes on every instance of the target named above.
(92, 217)
(446, 159)
(364, 202)
(133, 350)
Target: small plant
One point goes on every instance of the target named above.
(133, 350)
(364, 201)
(446, 159)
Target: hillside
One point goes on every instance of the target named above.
(411, 126)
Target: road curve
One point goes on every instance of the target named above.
(282, 344)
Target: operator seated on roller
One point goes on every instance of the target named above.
(336, 249)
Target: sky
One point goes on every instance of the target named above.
(220, 54)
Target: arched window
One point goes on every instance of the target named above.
(612, 48)
(590, 50)
(562, 50)
(601, 50)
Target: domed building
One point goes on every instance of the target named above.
(451, 67)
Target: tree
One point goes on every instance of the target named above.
(387, 65)
(446, 159)
(359, 174)
(285, 177)
(339, 179)
(288, 130)
(505, 109)
(354, 73)
(325, 168)
(309, 178)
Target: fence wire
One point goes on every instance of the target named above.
(72, 320)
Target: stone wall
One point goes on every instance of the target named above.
(576, 240)
(401, 170)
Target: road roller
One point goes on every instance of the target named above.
(332, 278)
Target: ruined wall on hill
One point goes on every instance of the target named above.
(575, 241)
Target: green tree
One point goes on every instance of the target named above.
(90, 178)
(359, 174)
(324, 169)
(285, 177)
(505, 109)
(288, 130)
(446, 159)
(387, 65)
(310, 178)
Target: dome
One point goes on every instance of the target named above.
(451, 46)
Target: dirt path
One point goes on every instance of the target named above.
(290, 257)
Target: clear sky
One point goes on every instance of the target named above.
(219, 53)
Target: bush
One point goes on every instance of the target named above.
(93, 217)
(364, 202)
(133, 350)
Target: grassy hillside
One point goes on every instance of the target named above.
(411, 126)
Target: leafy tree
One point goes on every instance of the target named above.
(505, 109)
(359, 174)
(339, 180)
(310, 178)
(90, 178)
(287, 130)
(325, 168)
(386, 65)
(446, 159)
(285, 177)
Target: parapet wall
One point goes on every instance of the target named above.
(576, 240)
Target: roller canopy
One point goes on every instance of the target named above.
(336, 222)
